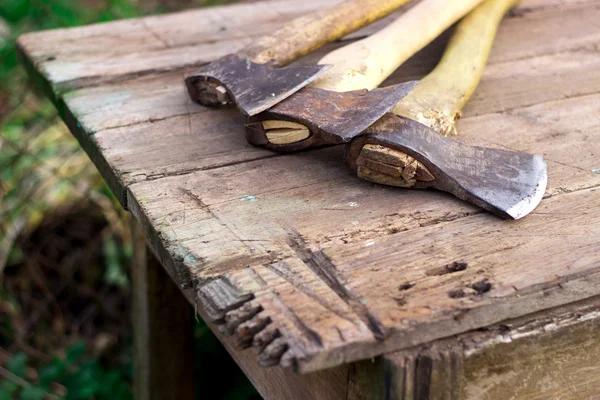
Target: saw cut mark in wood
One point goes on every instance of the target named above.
(291, 282)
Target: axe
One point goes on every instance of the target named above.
(342, 96)
(254, 78)
(404, 148)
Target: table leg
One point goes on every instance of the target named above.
(163, 329)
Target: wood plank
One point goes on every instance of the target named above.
(135, 153)
(565, 132)
(323, 320)
(298, 204)
(440, 304)
(104, 52)
(124, 97)
(546, 128)
(155, 32)
(135, 122)
(176, 146)
(297, 189)
(558, 358)
(509, 85)
(523, 8)
(142, 100)
(549, 355)
(138, 152)
(153, 98)
(154, 44)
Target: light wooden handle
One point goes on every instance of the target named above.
(306, 34)
(367, 63)
(438, 99)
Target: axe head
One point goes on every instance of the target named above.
(507, 183)
(251, 86)
(331, 117)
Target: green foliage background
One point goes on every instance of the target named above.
(45, 179)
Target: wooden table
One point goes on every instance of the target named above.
(313, 270)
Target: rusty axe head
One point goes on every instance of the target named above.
(259, 75)
(253, 87)
(331, 117)
(401, 152)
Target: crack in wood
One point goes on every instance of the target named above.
(252, 272)
(297, 281)
(313, 336)
(205, 168)
(154, 33)
(191, 195)
(320, 264)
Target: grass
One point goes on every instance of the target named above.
(65, 246)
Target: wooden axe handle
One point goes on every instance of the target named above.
(306, 34)
(365, 64)
(438, 99)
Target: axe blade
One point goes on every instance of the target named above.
(508, 183)
(332, 117)
(253, 87)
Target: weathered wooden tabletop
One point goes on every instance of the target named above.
(303, 255)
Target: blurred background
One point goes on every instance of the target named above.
(65, 246)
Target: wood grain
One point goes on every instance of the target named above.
(533, 273)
